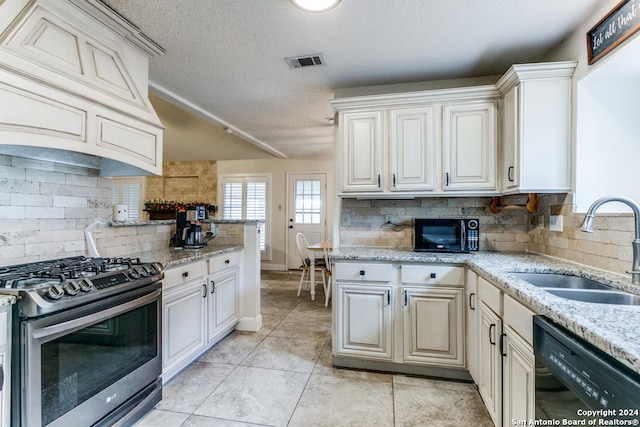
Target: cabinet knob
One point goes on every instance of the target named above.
(226, 261)
(362, 272)
(432, 275)
(185, 274)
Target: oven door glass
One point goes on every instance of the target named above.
(81, 369)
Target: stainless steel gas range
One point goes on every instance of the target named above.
(87, 341)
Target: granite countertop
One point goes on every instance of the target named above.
(171, 257)
(173, 221)
(612, 328)
(7, 300)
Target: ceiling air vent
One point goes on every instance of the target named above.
(305, 61)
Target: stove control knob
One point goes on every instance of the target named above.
(71, 288)
(134, 273)
(55, 292)
(85, 285)
(143, 271)
(152, 269)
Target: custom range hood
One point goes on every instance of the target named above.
(74, 87)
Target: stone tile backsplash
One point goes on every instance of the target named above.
(513, 229)
(506, 231)
(44, 208)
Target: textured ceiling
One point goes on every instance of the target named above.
(225, 58)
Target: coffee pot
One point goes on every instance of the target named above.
(193, 235)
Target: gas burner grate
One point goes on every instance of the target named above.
(59, 270)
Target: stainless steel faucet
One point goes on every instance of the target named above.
(587, 226)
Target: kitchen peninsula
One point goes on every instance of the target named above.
(207, 292)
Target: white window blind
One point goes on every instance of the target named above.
(130, 192)
(233, 200)
(247, 197)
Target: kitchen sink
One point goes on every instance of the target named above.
(597, 296)
(579, 288)
(564, 281)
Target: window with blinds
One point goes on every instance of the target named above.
(130, 192)
(247, 197)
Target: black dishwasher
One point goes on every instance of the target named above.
(576, 381)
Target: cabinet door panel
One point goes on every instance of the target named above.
(365, 320)
(519, 378)
(183, 324)
(471, 305)
(362, 139)
(223, 302)
(433, 326)
(412, 149)
(490, 362)
(469, 144)
(510, 140)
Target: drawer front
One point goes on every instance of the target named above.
(364, 272)
(184, 273)
(220, 262)
(519, 318)
(433, 274)
(491, 295)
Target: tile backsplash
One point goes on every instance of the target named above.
(44, 208)
(513, 229)
(507, 231)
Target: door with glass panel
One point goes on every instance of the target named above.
(307, 212)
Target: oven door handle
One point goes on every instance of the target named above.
(64, 328)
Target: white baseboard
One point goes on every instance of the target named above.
(250, 324)
(273, 267)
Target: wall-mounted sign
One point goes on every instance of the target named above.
(617, 26)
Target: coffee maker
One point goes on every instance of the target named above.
(188, 229)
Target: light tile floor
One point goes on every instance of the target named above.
(283, 376)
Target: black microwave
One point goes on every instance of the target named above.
(446, 235)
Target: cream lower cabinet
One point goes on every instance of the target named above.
(401, 314)
(364, 319)
(223, 308)
(433, 326)
(518, 363)
(505, 363)
(433, 315)
(471, 309)
(489, 361)
(200, 305)
(184, 325)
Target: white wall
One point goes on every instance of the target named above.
(606, 140)
(278, 169)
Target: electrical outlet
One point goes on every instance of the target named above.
(232, 231)
(345, 220)
(555, 223)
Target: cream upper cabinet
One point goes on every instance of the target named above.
(363, 150)
(469, 146)
(411, 149)
(536, 127)
(398, 143)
